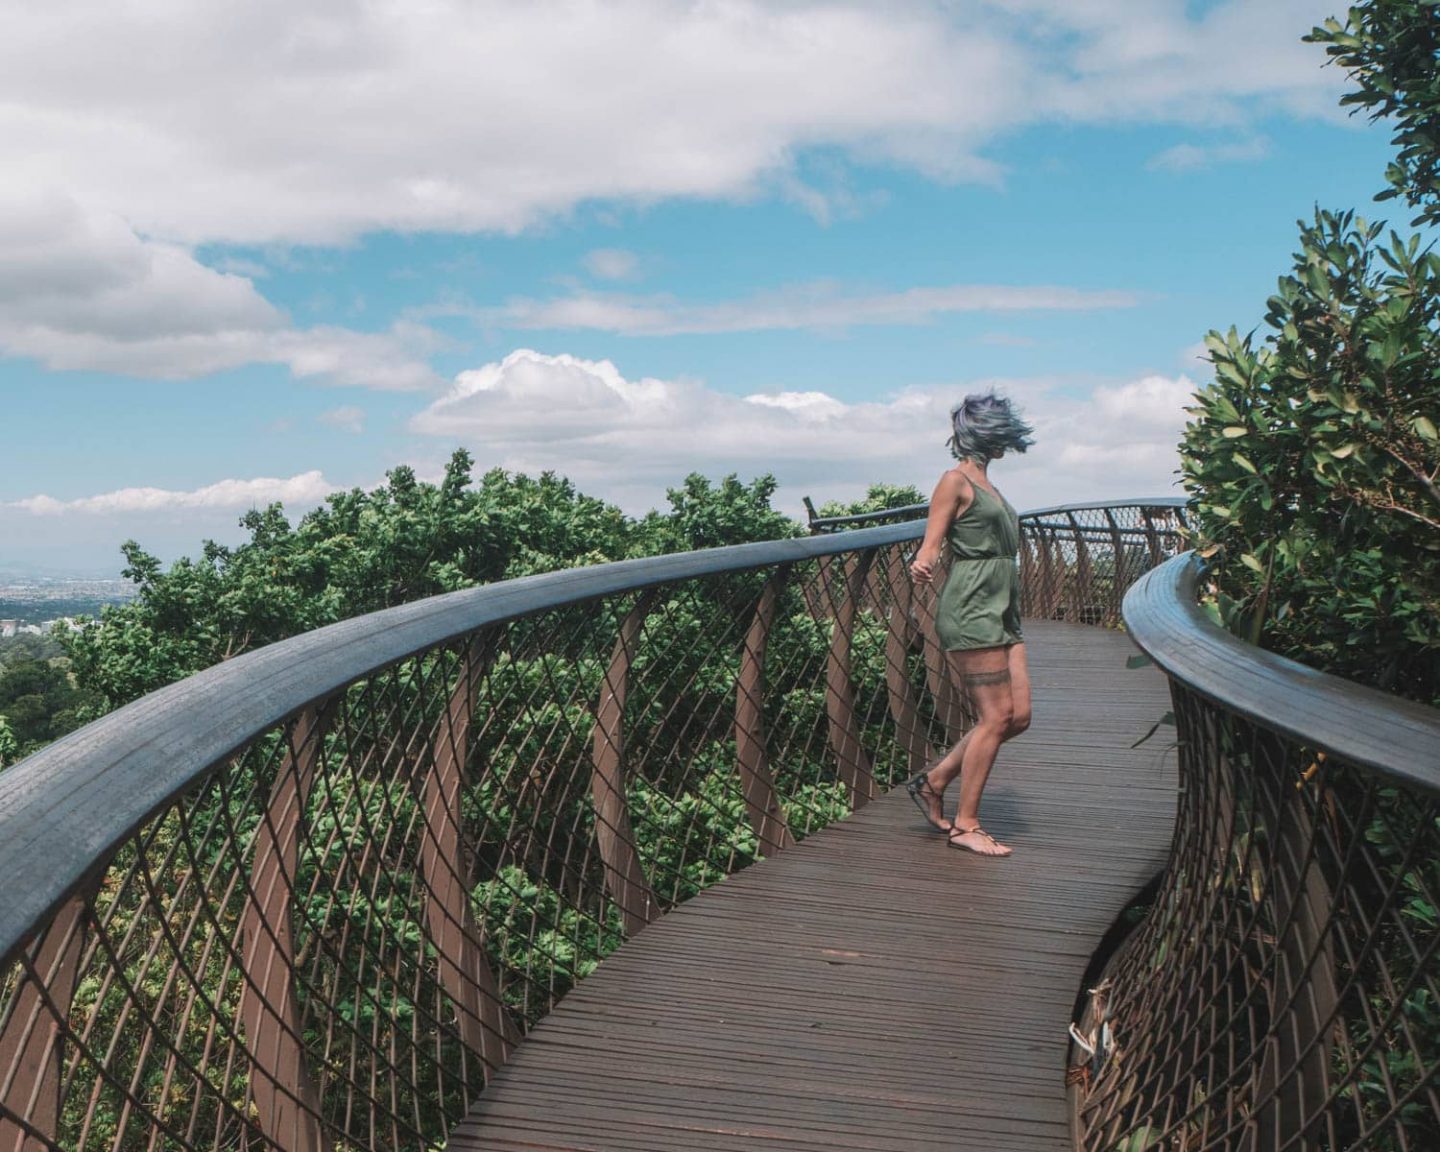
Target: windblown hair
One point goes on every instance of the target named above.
(986, 425)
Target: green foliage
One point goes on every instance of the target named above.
(39, 702)
(705, 516)
(9, 745)
(877, 498)
(1391, 49)
(363, 551)
(1312, 461)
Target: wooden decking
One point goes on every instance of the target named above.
(871, 988)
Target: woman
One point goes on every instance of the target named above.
(977, 614)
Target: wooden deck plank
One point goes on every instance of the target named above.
(871, 989)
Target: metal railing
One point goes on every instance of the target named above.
(1284, 992)
(313, 897)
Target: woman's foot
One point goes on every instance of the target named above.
(930, 802)
(978, 841)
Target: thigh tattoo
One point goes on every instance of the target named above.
(986, 679)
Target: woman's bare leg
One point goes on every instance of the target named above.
(983, 673)
(997, 682)
(1019, 690)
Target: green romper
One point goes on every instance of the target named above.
(979, 606)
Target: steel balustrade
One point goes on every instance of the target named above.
(1284, 991)
(312, 897)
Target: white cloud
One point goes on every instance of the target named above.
(320, 123)
(305, 488)
(347, 418)
(1191, 157)
(79, 289)
(628, 440)
(611, 263)
(811, 306)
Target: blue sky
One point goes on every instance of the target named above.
(627, 241)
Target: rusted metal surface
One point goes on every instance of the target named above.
(31, 1042)
(282, 1091)
(851, 759)
(465, 973)
(762, 804)
(901, 638)
(624, 874)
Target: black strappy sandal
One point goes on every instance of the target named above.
(922, 792)
(956, 830)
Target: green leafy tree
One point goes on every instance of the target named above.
(1314, 456)
(704, 515)
(363, 551)
(39, 702)
(1390, 49)
(877, 498)
(9, 746)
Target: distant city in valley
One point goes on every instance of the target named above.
(32, 604)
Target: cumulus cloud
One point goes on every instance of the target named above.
(611, 263)
(320, 124)
(1191, 157)
(323, 123)
(810, 306)
(303, 489)
(79, 289)
(628, 439)
(347, 418)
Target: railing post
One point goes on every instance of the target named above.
(851, 760)
(285, 1098)
(1120, 569)
(900, 639)
(1303, 992)
(757, 784)
(31, 1042)
(1084, 575)
(624, 873)
(465, 973)
(1052, 573)
(1152, 537)
(944, 693)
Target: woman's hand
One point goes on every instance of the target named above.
(922, 568)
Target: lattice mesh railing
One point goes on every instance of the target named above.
(1077, 562)
(1284, 992)
(334, 935)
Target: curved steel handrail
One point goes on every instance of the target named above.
(1364, 726)
(1280, 992)
(73, 802)
(825, 523)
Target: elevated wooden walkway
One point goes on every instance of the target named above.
(872, 988)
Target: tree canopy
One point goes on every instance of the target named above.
(1390, 48)
(363, 551)
(1313, 457)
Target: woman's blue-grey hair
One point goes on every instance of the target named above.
(986, 425)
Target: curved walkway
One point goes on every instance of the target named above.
(870, 988)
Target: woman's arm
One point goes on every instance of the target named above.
(950, 498)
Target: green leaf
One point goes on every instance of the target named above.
(1234, 431)
(1168, 718)
(1244, 462)
(1425, 428)
(1250, 561)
